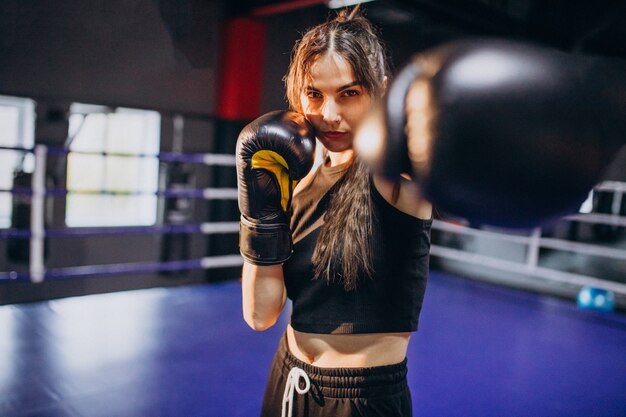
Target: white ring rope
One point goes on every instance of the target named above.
(223, 261)
(611, 186)
(597, 218)
(219, 227)
(540, 272)
(220, 193)
(219, 159)
(551, 243)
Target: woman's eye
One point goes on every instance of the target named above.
(313, 94)
(350, 93)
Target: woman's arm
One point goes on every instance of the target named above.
(263, 294)
(404, 195)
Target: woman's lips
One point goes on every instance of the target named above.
(335, 135)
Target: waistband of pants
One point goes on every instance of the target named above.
(349, 382)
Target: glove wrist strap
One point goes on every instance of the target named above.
(264, 244)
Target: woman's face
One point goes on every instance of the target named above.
(334, 102)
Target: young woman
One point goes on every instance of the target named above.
(359, 265)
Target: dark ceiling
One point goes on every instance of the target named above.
(591, 26)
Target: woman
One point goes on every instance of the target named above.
(358, 269)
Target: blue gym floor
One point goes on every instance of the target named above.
(481, 350)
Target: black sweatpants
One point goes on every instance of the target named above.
(338, 392)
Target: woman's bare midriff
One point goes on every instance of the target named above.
(348, 350)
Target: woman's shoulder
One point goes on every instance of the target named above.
(404, 195)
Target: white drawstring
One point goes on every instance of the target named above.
(293, 383)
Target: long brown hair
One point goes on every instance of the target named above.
(344, 247)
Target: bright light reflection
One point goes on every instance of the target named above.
(489, 68)
(104, 330)
(370, 135)
(339, 4)
(8, 349)
(418, 126)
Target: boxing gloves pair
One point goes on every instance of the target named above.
(273, 153)
(500, 132)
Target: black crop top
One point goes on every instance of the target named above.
(390, 301)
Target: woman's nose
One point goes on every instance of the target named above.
(331, 112)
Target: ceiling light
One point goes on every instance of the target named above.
(338, 4)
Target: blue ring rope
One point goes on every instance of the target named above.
(170, 193)
(196, 158)
(113, 269)
(116, 230)
(127, 268)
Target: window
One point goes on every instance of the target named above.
(112, 167)
(17, 129)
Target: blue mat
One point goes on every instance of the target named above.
(481, 350)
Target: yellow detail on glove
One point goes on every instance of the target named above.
(277, 165)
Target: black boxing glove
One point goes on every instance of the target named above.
(501, 132)
(273, 153)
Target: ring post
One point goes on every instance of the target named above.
(532, 257)
(36, 264)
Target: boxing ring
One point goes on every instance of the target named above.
(481, 350)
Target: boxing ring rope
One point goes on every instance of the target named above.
(207, 262)
(540, 272)
(202, 228)
(534, 242)
(550, 243)
(616, 186)
(37, 232)
(206, 193)
(198, 158)
(606, 219)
